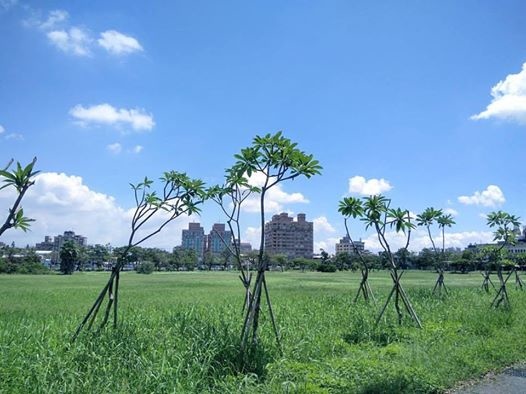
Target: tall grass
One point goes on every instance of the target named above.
(180, 332)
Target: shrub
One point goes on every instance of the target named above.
(326, 268)
(145, 267)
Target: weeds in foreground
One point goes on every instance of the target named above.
(330, 344)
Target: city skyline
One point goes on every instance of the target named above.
(423, 102)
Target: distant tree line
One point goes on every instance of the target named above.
(99, 258)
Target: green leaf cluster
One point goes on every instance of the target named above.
(505, 224)
(21, 179)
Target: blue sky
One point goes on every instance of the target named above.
(423, 101)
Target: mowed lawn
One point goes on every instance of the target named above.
(179, 332)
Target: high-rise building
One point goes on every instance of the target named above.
(284, 235)
(218, 239)
(345, 245)
(194, 238)
(59, 240)
(48, 243)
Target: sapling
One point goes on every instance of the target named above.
(276, 159)
(353, 207)
(378, 214)
(505, 224)
(230, 197)
(180, 195)
(427, 219)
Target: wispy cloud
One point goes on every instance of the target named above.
(10, 135)
(118, 44)
(55, 18)
(358, 184)
(115, 148)
(7, 4)
(14, 136)
(106, 114)
(491, 197)
(137, 149)
(451, 211)
(509, 99)
(75, 40)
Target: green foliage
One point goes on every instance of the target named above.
(69, 254)
(342, 261)
(186, 259)
(180, 195)
(304, 264)
(276, 156)
(145, 267)
(326, 268)
(504, 224)
(376, 212)
(21, 262)
(429, 217)
(20, 179)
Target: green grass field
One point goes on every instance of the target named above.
(179, 332)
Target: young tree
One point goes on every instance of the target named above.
(226, 255)
(343, 260)
(97, 255)
(280, 260)
(230, 197)
(180, 195)
(504, 225)
(21, 179)
(377, 213)
(353, 207)
(427, 219)
(69, 254)
(276, 159)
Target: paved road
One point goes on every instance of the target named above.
(510, 381)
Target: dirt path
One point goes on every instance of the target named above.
(510, 381)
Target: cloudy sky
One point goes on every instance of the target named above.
(424, 102)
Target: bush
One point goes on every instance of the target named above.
(326, 268)
(146, 267)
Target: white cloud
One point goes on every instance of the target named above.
(106, 114)
(10, 136)
(60, 202)
(275, 199)
(78, 40)
(14, 136)
(137, 149)
(115, 148)
(324, 235)
(371, 187)
(509, 99)
(118, 44)
(75, 41)
(451, 211)
(490, 197)
(252, 235)
(321, 224)
(55, 18)
(327, 244)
